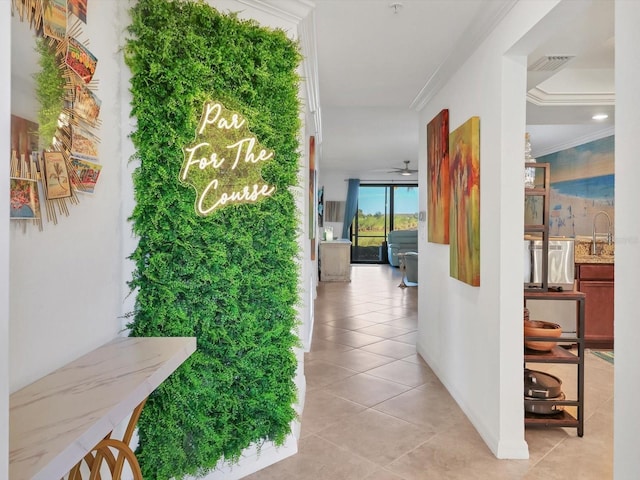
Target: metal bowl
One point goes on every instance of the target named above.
(544, 406)
(541, 384)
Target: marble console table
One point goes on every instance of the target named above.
(65, 419)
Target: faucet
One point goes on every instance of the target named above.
(609, 236)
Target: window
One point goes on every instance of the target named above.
(381, 208)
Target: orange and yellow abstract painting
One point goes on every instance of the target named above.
(438, 178)
(464, 211)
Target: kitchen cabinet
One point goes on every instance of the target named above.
(335, 261)
(559, 354)
(596, 282)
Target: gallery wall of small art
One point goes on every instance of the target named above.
(55, 162)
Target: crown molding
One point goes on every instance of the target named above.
(472, 38)
(540, 97)
(300, 13)
(289, 10)
(308, 47)
(605, 132)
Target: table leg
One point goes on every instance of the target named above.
(402, 271)
(103, 452)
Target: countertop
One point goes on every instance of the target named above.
(56, 420)
(594, 259)
(582, 252)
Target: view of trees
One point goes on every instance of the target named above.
(371, 227)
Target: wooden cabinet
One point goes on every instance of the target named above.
(560, 355)
(596, 282)
(335, 261)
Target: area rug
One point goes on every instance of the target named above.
(604, 354)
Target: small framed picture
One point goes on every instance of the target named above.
(54, 19)
(80, 60)
(86, 175)
(83, 144)
(78, 8)
(56, 176)
(86, 105)
(24, 200)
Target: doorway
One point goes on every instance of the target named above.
(381, 209)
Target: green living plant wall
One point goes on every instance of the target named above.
(229, 278)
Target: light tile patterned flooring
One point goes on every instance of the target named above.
(374, 410)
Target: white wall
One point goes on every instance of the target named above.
(66, 293)
(627, 331)
(335, 189)
(472, 337)
(5, 146)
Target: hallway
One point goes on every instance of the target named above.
(374, 410)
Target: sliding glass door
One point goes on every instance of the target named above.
(381, 208)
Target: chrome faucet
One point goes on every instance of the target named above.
(595, 234)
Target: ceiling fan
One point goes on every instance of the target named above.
(406, 171)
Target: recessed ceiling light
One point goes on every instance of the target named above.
(600, 116)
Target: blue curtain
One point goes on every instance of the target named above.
(351, 208)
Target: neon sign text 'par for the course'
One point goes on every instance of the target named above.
(223, 162)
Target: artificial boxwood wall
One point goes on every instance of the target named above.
(230, 278)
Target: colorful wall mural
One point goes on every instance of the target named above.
(582, 184)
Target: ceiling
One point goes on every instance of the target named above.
(379, 61)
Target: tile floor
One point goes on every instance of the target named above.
(374, 410)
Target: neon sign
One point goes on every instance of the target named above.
(223, 163)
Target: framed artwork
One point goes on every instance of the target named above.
(83, 144)
(54, 19)
(85, 176)
(56, 176)
(24, 200)
(334, 211)
(80, 60)
(52, 170)
(438, 178)
(464, 211)
(79, 9)
(312, 195)
(321, 207)
(86, 105)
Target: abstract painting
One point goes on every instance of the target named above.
(312, 195)
(464, 211)
(438, 178)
